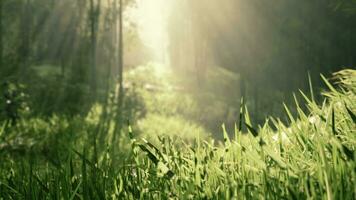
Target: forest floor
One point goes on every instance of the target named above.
(310, 157)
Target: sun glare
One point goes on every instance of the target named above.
(152, 17)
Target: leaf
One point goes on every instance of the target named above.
(305, 97)
(85, 159)
(252, 130)
(43, 186)
(292, 193)
(10, 188)
(150, 155)
(262, 142)
(76, 190)
(156, 150)
(276, 158)
(241, 113)
(164, 171)
(353, 116)
(349, 153)
(291, 118)
(311, 88)
(169, 174)
(162, 168)
(247, 116)
(2, 130)
(333, 122)
(329, 84)
(226, 136)
(130, 131)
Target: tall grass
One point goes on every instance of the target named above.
(311, 157)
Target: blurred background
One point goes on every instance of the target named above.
(174, 67)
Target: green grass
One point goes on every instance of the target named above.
(311, 157)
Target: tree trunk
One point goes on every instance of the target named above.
(121, 52)
(1, 40)
(94, 21)
(106, 117)
(120, 100)
(25, 29)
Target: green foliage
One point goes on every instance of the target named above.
(312, 157)
(13, 102)
(62, 132)
(159, 105)
(170, 126)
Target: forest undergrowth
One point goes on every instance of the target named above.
(310, 157)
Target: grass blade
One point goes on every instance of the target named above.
(311, 88)
(352, 115)
(76, 190)
(252, 130)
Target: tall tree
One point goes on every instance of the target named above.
(94, 25)
(121, 55)
(25, 32)
(1, 40)
(120, 99)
